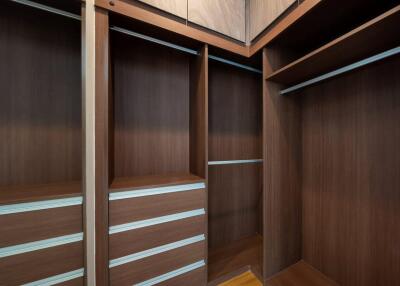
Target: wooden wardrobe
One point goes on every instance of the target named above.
(137, 148)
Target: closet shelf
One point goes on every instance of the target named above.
(373, 37)
(31, 193)
(300, 274)
(153, 181)
(236, 255)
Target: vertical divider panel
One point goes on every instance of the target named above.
(282, 177)
(102, 145)
(199, 127)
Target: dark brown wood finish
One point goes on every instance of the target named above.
(234, 197)
(74, 282)
(351, 182)
(40, 102)
(128, 242)
(151, 105)
(194, 277)
(30, 193)
(154, 181)
(36, 265)
(282, 177)
(135, 209)
(246, 252)
(101, 145)
(300, 274)
(235, 124)
(38, 225)
(344, 50)
(155, 265)
(199, 113)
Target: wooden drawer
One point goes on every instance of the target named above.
(150, 206)
(23, 227)
(41, 264)
(136, 240)
(197, 277)
(156, 265)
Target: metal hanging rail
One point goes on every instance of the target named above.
(248, 68)
(48, 9)
(342, 70)
(180, 48)
(230, 162)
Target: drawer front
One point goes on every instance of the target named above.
(24, 227)
(156, 265)
(136, 240)
(41, 264)
(147, 207)
(158, 235)
(41, 242)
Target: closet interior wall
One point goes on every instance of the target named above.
(235, 185)
(41, 213)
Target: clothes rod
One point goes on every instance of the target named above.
(180, 48)
(218, 59)
(153, 40)
(230, 162)
(48, 9)
(342, 70)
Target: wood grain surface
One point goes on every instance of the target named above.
(175, 7)
(351, 182)
(227, 17)
(40, 102)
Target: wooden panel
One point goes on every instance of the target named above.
(344, 50)
(231, 257)
(73, 282)
(227, 17)
(126, 8)
(154, 181)
(40, 102)
(300, 274)
(263, 12)
(351, 182)
(128, 242)
(41, 264)
(153, 266)
(38, 225)
(151, 91)
(30, 193)
(176, 7)
(235, 113)
(199, 114)
(195, 277)
(282, 177)
(130, 210)
(102, 145)
(235, 192)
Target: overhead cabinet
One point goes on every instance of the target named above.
(175, 7)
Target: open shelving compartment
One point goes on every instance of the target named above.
(332, 107)
(235, 171)
(41, 216)
(154, 140)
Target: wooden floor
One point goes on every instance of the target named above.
(245, 279)
(300, 274)
(246, 252)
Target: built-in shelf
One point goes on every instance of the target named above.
(31, 193)
(371, 38)
(300, 274)
(153, 181)
(246, 252)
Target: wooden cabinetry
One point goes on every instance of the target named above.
(227, 17)
(263, 12)
(175, 7)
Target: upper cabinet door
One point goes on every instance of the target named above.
(264, 12)
(227, 17)
(175, 7)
